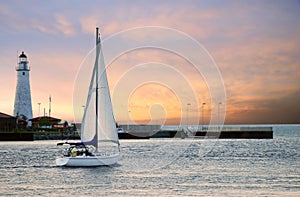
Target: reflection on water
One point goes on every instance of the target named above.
(161, 167)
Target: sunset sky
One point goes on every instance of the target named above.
(255, 44)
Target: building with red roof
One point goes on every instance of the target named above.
(44, 121)
(7, 122)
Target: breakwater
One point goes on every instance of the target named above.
(16, 136)
(156, 131)
(152, 131)
(31, 136)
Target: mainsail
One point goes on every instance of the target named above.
(98, 123)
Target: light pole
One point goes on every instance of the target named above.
(128, 121)
(39, 108)
(39, 113)
(187, 112)
(83, 107)
(219, 116)
(49, 105)
(203, 115)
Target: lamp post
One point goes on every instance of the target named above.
(187, 112)
(128, 120)
(203, 115)
(83, 108)
(219, 116)
(39, 113)
(39, 108)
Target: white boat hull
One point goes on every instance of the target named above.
(87, 161)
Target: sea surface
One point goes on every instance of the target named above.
(161, 167)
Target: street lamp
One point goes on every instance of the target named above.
(83, 108)
(187, 112)
(39, 113)
(203, 115)
(128, 121)
(39, 108)
(219, 115)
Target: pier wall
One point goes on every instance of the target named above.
(20, 136)
(153, 131)
(156, 131)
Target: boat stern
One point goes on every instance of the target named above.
(62, 161)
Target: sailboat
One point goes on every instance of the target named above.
(99, 137)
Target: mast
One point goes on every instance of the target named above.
(97, 80)
(106, 132)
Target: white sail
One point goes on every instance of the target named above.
(98, 125)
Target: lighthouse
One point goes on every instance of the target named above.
(23, 107)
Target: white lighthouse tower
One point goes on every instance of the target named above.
(23, 107)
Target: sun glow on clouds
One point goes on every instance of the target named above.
(256, 45)
(144, 79)
(153, 104)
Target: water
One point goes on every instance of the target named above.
(161, 167)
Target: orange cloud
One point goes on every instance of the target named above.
(258, 55)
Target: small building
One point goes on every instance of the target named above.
(44, 122)
(7, 122)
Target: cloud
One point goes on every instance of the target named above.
(256, 46)
(267, 111)
(36, 18)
